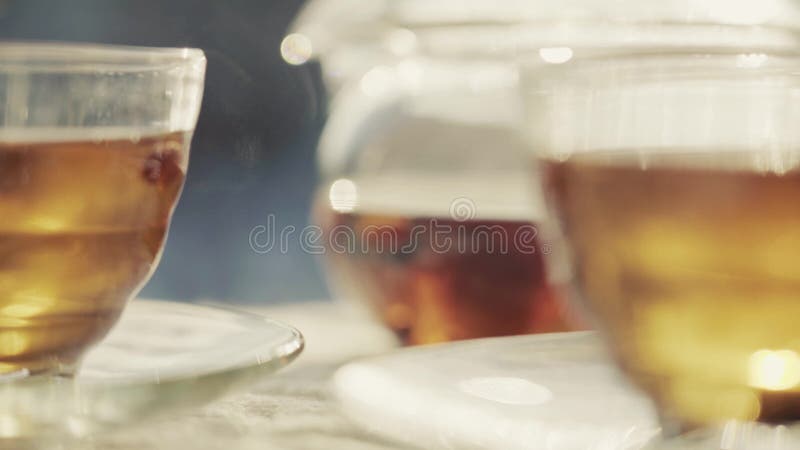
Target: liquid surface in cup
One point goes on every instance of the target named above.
(690, 263)
(473, 268)
(83, 223)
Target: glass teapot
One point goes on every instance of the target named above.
(428, 205)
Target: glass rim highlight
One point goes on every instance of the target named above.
(597, 67)
(55, 57)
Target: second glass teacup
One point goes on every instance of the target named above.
(675, 178)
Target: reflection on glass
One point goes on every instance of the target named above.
(774, 370)
(343, 195)
(555, 55)
(296, 49)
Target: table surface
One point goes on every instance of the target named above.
(292, 409)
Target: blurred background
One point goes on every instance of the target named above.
(253, 151)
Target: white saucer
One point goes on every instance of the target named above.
(553, 392)
(161, 357)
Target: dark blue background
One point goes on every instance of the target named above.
(253, 151)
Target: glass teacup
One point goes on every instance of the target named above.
(94, 145)
(675, 178)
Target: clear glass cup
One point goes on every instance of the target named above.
(674, 178)
(94, 146)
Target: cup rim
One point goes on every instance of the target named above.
(646, 64)
(56, 56)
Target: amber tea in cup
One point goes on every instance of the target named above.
(94, 145)
(674, 177)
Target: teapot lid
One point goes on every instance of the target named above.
(784, 13)
(325, 26)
